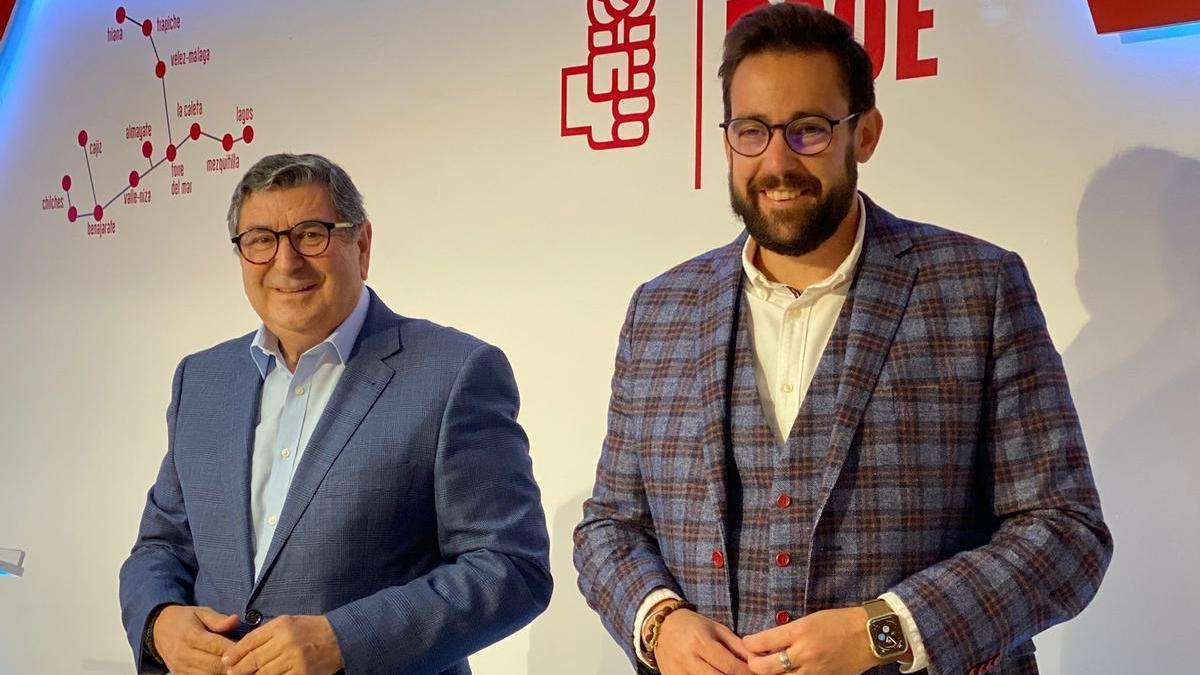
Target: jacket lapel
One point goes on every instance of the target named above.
(245, 395)
(365, 377)
(880, 294)
(715, 316)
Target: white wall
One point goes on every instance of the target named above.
(1079, 151)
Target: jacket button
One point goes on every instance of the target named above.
(253, 617)
(784, 501)
(783, 560)
(718, 559)
(782, 617)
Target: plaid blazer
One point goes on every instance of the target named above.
(956, 474)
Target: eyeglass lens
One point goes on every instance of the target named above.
(260, 244)
(805, 135)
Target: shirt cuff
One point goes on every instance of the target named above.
(911, 633)
(652, 598)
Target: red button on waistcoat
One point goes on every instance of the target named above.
(782, 617)
(718, 559)
(784, 501)
(783, 560)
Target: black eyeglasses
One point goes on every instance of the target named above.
(310, 238)
(806, 135)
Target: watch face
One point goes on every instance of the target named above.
(887, 637)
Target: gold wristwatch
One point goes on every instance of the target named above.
(884, 632)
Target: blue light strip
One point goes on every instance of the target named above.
(1161, 33)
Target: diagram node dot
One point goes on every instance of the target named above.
(227, 142)
(147, 149)
(82, 138)
(72, 214)
(98, 212)
(147, 27)
(160, 70)
(171, 153)
(66, 183)
(194, 132)
(247, 133)
(120, 15)
(134, 179)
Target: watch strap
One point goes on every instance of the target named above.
(877, 608)
(148, 633)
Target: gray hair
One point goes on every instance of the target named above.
(287, 171)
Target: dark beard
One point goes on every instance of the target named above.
(800, 229)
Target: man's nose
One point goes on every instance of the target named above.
(778, 158)
(286, 257)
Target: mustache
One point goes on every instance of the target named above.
(787, 181)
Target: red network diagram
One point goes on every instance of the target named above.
(168, 154)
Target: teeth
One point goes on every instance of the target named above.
(781, 195)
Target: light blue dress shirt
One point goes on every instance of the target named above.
(291, 405)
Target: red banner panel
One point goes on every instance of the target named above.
(1113, 16)
(6, 10)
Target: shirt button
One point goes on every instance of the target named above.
(272, 520)
(718, 559)
(253, 617)
(783, 560)
(784, 501)
(782, 617)
(787, 388)
(287, 452)
(299, 391)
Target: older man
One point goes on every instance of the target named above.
(843, 441)
(344, 488)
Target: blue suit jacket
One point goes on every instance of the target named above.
(413, 521)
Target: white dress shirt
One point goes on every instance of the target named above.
(291, 405)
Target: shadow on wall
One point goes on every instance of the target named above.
(569, 637)
(1135, 367)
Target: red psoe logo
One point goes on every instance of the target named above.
(1113, 16)
(734, 9)
(618, 76)
(872, 24)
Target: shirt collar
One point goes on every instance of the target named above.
(264, 348)
(765, 287)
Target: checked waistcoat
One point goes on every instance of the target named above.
(773, 489)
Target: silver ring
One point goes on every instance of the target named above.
(786, 662)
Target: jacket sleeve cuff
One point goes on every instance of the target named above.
(652, 598)
(911, 633)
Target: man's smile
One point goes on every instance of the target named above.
(297, 289)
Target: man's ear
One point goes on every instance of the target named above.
(364, 249)
(866, 134)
